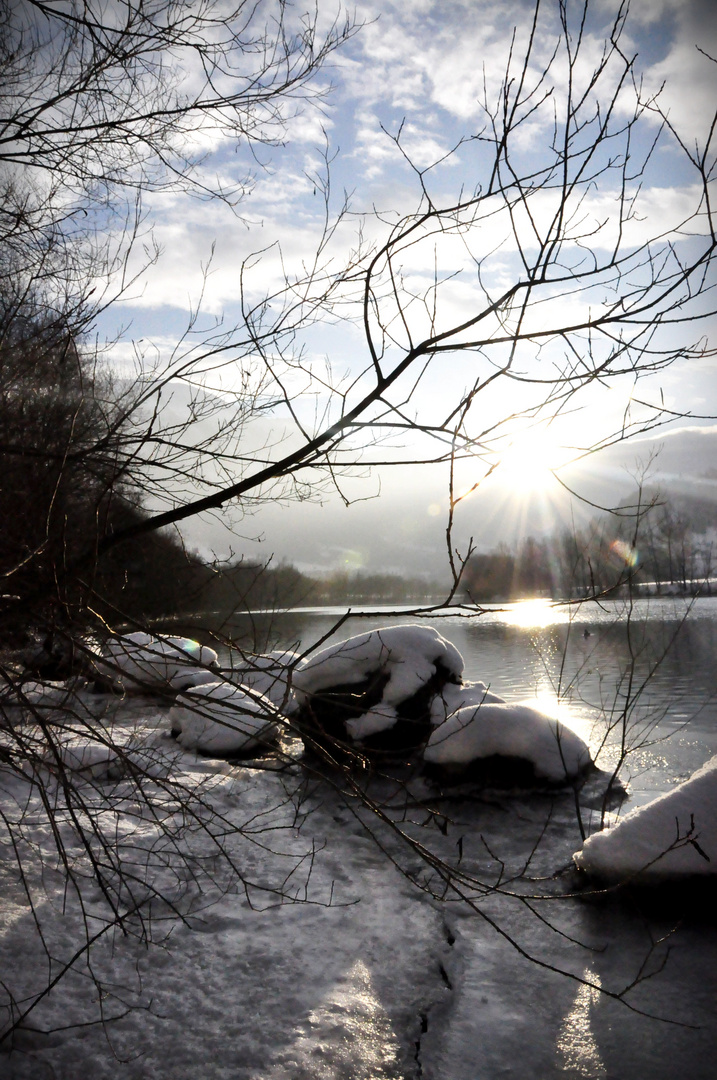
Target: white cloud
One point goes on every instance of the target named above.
(425, 58)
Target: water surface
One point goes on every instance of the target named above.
(638, 677)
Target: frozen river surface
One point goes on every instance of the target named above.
(387, 974)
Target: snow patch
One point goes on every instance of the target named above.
(92, 759)
(85, 756)
(39, 693)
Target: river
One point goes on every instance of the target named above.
(649, 667)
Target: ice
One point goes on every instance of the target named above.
(409, 656)
(373, 980)
(555, 751)
(220, 718)
(674, 836)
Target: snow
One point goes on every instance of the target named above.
(223, 719)
(673, 836)
(91, 758)
(409, 655)
(145, 662)
(452, 698)
(184, 680)
(370, 980)
(269, 674)
(555, 751)
(57, 703)
(35, 692)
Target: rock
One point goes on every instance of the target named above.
(146, 663)
(470, 741)
(673, 837)
(375, 690)
(224, 721)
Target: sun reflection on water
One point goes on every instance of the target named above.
(578, 1051)
(547, 700)
(535, 613)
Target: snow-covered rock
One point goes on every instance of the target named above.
(452, 698)
(85, 756)
(674, 836)
(219, 718)
(269, 674)
(39, 693)
(378, 678)
(145, 662)
(555, 752)
(189, 677)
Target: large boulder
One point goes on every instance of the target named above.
(375, 689)
(500, 742)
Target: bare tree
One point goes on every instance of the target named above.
(103, 96)
(100, 105)
(589, 298)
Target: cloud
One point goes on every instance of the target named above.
(670, 38)
(423, 61)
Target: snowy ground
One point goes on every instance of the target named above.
(374, 979)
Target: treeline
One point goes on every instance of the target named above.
(158, 579)
(74, 451)
(246, 586)
(667, 546)
(360, 587)
(66, 486)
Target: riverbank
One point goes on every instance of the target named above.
(274, 926)
(325, 952)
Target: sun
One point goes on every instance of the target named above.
(527, 461)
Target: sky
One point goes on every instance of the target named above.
(422, 70)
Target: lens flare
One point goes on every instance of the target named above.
(625, 552)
